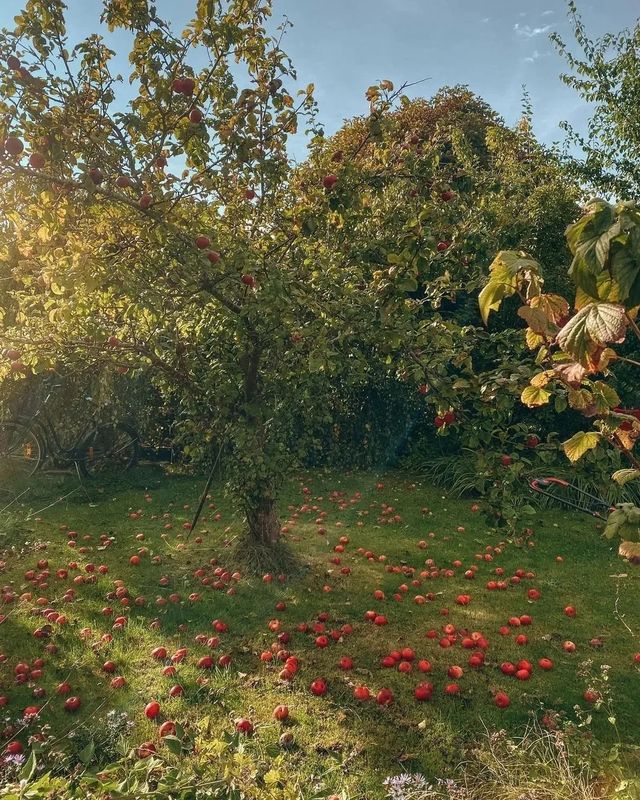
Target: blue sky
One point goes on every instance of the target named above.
(342, 46)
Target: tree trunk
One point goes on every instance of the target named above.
(263, 522)
(262, 518)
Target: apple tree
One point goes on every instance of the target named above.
(159, 227)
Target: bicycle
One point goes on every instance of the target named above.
(26, 442)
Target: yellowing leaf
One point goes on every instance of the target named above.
(533, 339)
(504, 273)
(622, 476)
(554, 307)
(583, 299)
(629, 549)
(534, 396)
(572, 373)
(580, 443)
(538, 321)
(579, 399)
(541, 379)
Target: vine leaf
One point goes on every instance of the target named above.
(533, 396)
(504, 280)
(580, 443)
(591, 328)
(622, 476)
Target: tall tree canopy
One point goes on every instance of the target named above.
(170, 232)
(606, 75)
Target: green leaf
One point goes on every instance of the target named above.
(589, 238)
(408, 284)
(605, 396)
(623, 522)
(317, 361)
(560, 403)
(87, 753)
(622, 476)
(580, 443)
(617, 283)
(29, 768)
(173, 744)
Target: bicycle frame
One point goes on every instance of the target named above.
(41, 420)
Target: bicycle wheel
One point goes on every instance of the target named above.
(109, 450)
(21, 451)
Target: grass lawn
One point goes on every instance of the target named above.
(339, 742)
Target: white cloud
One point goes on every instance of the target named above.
(484, 20)
(535, 56)
(527, 32)
(548, 13)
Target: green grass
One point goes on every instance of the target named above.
(359, 743)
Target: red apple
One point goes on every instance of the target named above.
(319, 687)
(167, 728)
(244, 726)
(280, 713)
(37, 161)
(361, 693)
(72, 704)
(13, 146)
(329, 181)
(384, 697)
(152, 709)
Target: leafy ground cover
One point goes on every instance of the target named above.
(92, 590)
